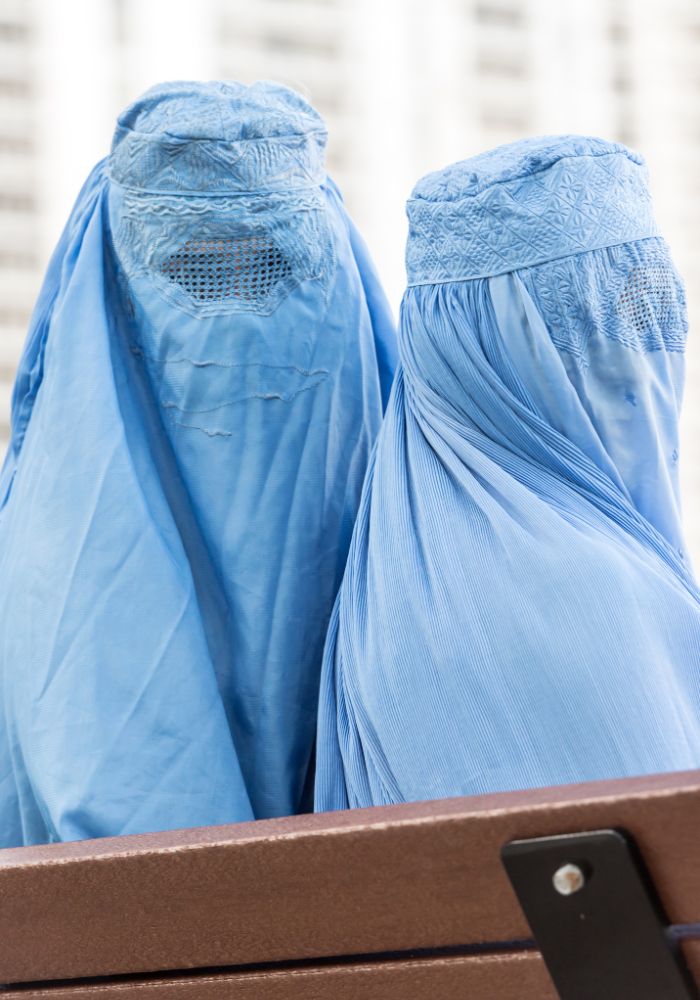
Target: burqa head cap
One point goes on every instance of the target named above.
(219, 138)
(523, 204)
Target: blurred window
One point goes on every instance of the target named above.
(12, 31)
(16, 144)
(16, 202)
(299, 45)
(15, 88)
(13, 317)
(501, 64)
(15, 258)
(505, 118)
(498, 13)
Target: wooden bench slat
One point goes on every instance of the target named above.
(425, 875)
(508, 977)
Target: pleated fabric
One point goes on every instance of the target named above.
(201, 387)
(517, 609)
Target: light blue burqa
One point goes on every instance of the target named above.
(517, 609)
(192, 419)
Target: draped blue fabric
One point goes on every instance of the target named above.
(517, 609)
(192, 418)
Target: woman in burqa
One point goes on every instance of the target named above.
(191, 422)
(518, 609)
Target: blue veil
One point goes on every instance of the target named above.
(517, 608)
(201, 387)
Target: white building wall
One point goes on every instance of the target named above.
(405, 87)
(663, 102)
(20, 259)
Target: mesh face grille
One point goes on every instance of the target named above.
(244, 269)
(649, 299)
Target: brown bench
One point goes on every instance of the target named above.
(411, 902)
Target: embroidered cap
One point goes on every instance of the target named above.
(219, 137)
(523, 204)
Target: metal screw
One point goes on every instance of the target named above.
(568, 879)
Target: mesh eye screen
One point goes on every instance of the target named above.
(244, 269)
(649, 299)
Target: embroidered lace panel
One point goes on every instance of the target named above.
(212, 256)
(631, 293)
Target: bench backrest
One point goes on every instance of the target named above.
(403, 902)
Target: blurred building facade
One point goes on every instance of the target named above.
(20, 258)
(405, 86)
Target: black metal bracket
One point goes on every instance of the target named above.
(596, 918)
